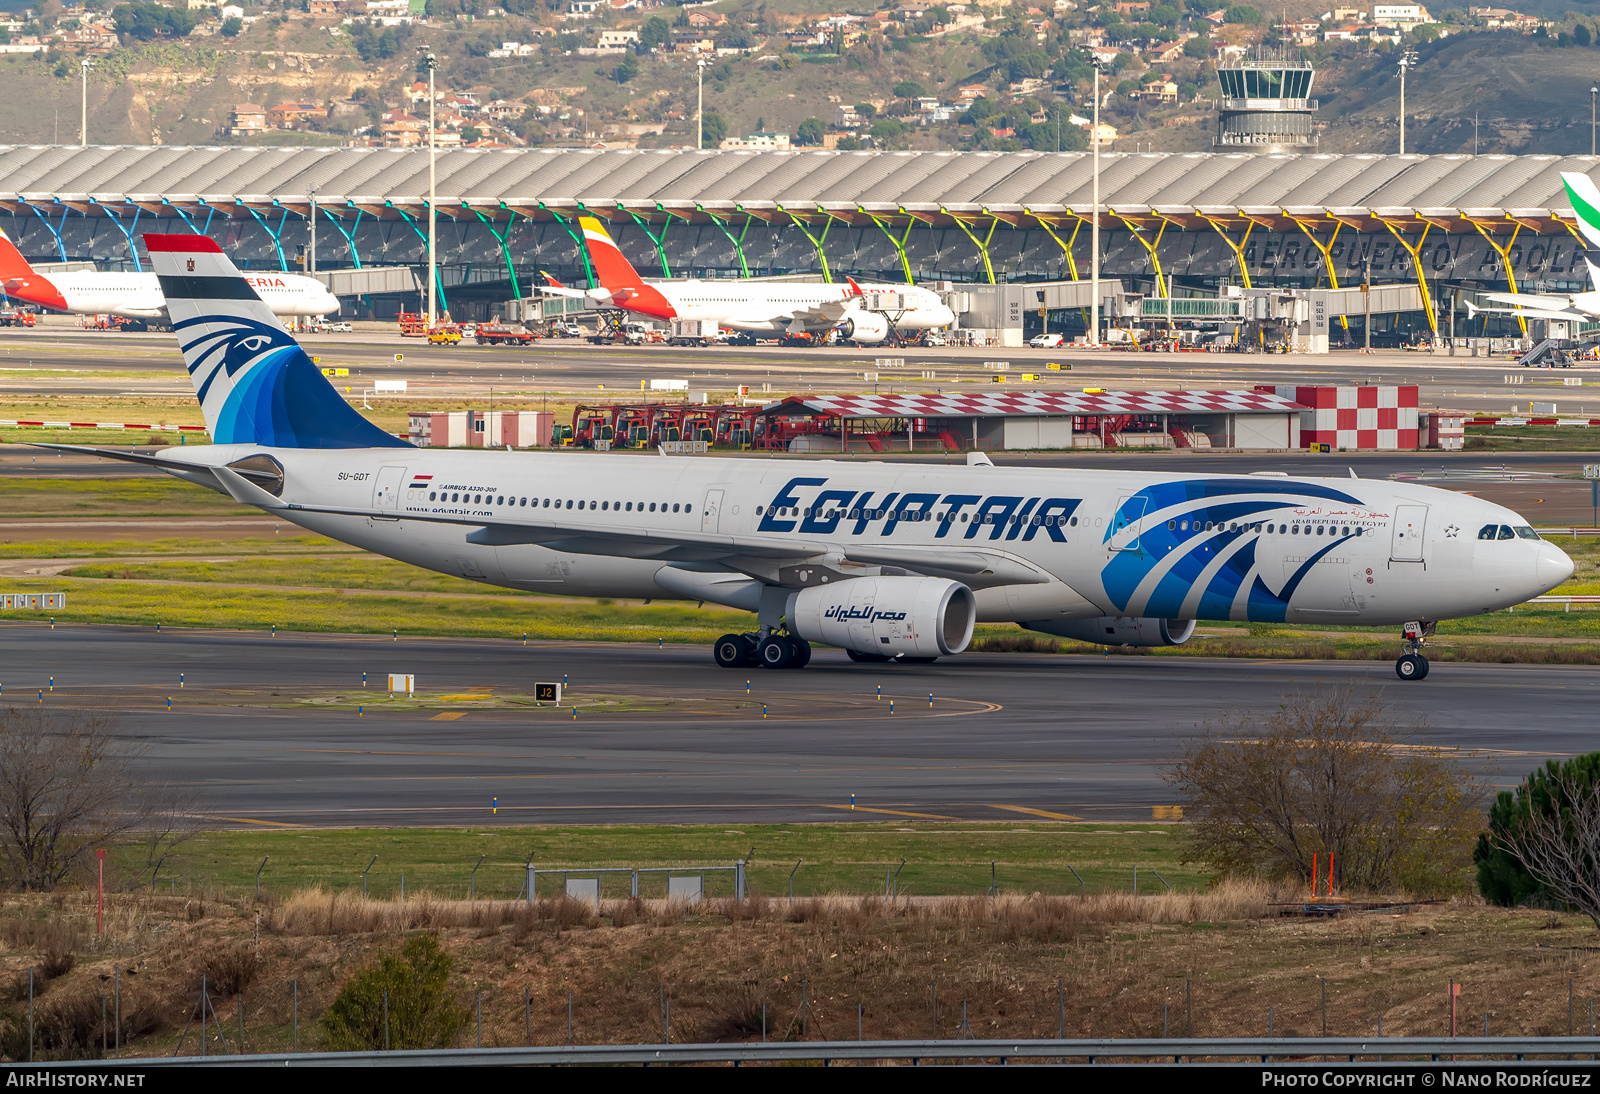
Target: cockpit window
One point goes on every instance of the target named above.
(1524, 532)
(1506, 532)
(1488, 531)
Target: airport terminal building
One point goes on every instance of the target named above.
(1178, 223)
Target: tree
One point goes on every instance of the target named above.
(1580, 33)
(1243, 13)
(231, 26)
(655, 32)
(909, 89)
(471, 134)
(867, 110)
(715, 128)
(809, 132)
(1197, 48)
(888, 133)
(1552, 792)
(1327, 772)
(411, 990)
(143, 21)
(64, 786)
(626, 69)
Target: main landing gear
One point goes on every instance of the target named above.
(775, 651)
(1412, 665)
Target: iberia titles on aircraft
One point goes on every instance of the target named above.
(867, 314)
(888, 561)
(138, 295)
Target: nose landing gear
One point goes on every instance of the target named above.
(1412, 665)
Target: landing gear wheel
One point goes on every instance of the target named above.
(867, 658)
(775, 652)
(730, 651)
(802, 652)
(751, 641)
(1412, 666)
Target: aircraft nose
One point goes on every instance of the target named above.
(1554, 566)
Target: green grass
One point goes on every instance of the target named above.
(485, 616)
(22, 497)
(1532, 438)
(941, 858)
(357, 572)
(118, 548)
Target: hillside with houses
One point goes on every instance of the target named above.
(774, 74)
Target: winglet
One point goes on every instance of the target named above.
(979, 459)
(855, 290)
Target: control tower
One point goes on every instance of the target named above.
(1265, 107)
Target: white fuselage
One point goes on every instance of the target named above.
(138, 295)
(1056, 544)
(774, 306)
(767, 307)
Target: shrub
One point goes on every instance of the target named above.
(421, 1011)
(1327, 772)
(229, 971)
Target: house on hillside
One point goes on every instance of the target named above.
(294, 115)
(757, 142)
(247, 118)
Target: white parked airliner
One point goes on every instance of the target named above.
(868, 314)
(887, 561)
(138, 295)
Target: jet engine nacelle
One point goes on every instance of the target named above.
(865, 326)
(1119, 630)
(887, 616)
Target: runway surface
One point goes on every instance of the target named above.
(266, 728)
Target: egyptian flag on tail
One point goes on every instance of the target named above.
(255, 384)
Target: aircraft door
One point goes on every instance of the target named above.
(1130, 511)
(1410, 521)
(711, 511)
(386, 490)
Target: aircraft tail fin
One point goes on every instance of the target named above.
(553, 283)
(611, 268)
(12, 264)
(254, 382)
(1585, 202)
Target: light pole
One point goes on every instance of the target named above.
(1593, 91)
(700, 104)
(83, 125)
(1408, 59)
(311, 254)
(433, 285)
(1094, 226)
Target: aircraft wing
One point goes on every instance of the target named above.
(1567, 314)
(1530, 300)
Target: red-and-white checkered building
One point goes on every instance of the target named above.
(1380, 417)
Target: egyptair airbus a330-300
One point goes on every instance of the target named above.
(887, 561)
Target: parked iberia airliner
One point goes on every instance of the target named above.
(870, 313)
(890, 562)
(138, 295)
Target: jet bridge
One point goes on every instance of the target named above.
(1292, 320)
